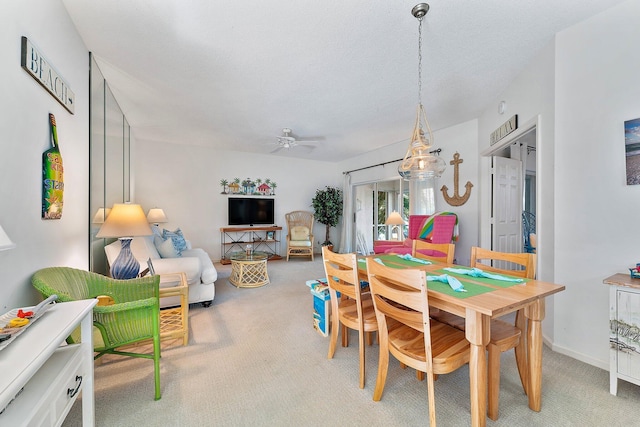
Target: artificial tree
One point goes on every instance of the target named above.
(327, 206)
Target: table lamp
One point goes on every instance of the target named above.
(5, 241)
(125, 222)
(396, 221)
(100, 215)
(156, 216)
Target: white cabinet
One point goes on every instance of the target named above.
(42, 377)
(624, 330)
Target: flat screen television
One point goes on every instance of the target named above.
(251, 211)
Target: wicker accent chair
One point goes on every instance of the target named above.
(299, 234)
(132, 313)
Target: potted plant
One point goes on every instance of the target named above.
(327, 206)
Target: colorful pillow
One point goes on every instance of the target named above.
(428, 231)
(179, 243)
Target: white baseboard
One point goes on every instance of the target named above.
(602, 364)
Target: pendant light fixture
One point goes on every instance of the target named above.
(418, 162)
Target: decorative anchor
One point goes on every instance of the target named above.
(456, 200)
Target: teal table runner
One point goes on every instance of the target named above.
(493, 282)
(395, 261)
(472, 287)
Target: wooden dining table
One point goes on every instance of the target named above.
(484, 300)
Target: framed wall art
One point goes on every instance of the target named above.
(632, 150)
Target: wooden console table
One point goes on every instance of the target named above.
(236, 239)
(40, 377)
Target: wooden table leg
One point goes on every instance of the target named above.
(478, 333)
(535, 313)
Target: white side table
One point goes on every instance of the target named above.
(624, 330)
(174, 321)
(41, 377)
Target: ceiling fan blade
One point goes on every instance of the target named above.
(276, 150)
(308, 148)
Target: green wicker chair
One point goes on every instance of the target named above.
(133, 316)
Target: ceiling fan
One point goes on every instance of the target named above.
(287, 141)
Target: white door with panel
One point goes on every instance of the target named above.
(507, 204)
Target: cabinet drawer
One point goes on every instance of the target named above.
(48, 396)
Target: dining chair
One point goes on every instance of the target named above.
(127, 312)
(353, 309)
(405, 330)
(504, 335)
(439, 252)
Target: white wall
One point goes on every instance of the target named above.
(531, 96)
(595, 211)
(185, 182)
(25, 135)
(461, 138)
(583, 86)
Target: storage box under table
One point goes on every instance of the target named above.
(321, 305)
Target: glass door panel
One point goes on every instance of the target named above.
(373, 202)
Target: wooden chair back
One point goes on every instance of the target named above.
(353, 309)
(401, 304)
(504, 335)
(342, 274)
(447, 249)
(514, 264)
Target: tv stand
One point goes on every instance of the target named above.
(261, 238)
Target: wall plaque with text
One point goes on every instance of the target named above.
(505, 129)
(39, 68)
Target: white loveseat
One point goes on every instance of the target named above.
(194, 262)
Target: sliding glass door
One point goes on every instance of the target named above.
(373, 202)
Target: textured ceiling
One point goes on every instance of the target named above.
(344, 72)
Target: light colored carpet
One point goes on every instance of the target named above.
(254, 359)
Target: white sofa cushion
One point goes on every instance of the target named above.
(165, 248)
(189, 265)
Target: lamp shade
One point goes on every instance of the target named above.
(125, 220)
(394, 218)
(101, 215)
(5, 241)
(156, 216)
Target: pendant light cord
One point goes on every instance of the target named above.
(420, 61)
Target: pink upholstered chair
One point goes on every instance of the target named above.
(443, 230)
